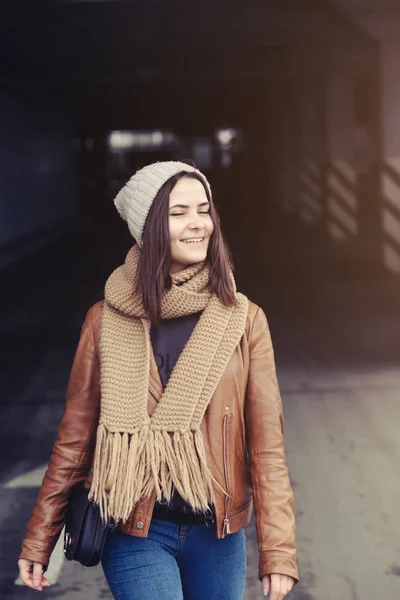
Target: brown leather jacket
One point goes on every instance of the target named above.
(243, 439)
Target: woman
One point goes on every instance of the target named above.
(173, 414)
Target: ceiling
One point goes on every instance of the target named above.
(131, 59)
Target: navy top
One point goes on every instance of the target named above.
(168, 340)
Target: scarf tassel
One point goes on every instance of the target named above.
(128, 467)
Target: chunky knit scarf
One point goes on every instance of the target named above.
(136, 453)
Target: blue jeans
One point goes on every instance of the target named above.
(175, 562)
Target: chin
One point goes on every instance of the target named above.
(189, 257)
(189, 260)
(186, 260)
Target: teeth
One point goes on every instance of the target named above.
(192, 241)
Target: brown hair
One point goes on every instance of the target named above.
(155, 256)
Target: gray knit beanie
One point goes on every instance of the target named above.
(134, 201)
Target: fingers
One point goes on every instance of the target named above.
(275, 592)
(284, 586)
(266, 584)
(31, 574)
(278, 585)
(25, 572)
(37, 576)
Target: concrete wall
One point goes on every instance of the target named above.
(342, 203)
(390, 170)
(327, 182)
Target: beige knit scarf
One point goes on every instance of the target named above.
(136, 453)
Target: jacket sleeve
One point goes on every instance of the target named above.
(273, 497)
(71, 457)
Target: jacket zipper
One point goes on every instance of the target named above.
(226, 527)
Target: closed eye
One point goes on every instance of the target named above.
(207, 212)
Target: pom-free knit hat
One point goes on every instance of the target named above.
(134, 200)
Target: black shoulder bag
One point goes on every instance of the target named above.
(85, 531)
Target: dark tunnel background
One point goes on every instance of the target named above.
(291, 110)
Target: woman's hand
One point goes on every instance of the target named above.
(278, 585)
(31, 574)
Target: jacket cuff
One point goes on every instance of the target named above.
(32, 550)
(276, 563)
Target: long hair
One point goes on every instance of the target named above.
(153, 276)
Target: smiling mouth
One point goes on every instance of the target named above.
(194, 241)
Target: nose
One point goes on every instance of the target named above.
(195, 222)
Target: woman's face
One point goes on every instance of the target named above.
(189, 219)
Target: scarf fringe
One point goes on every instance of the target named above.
(128, 467)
